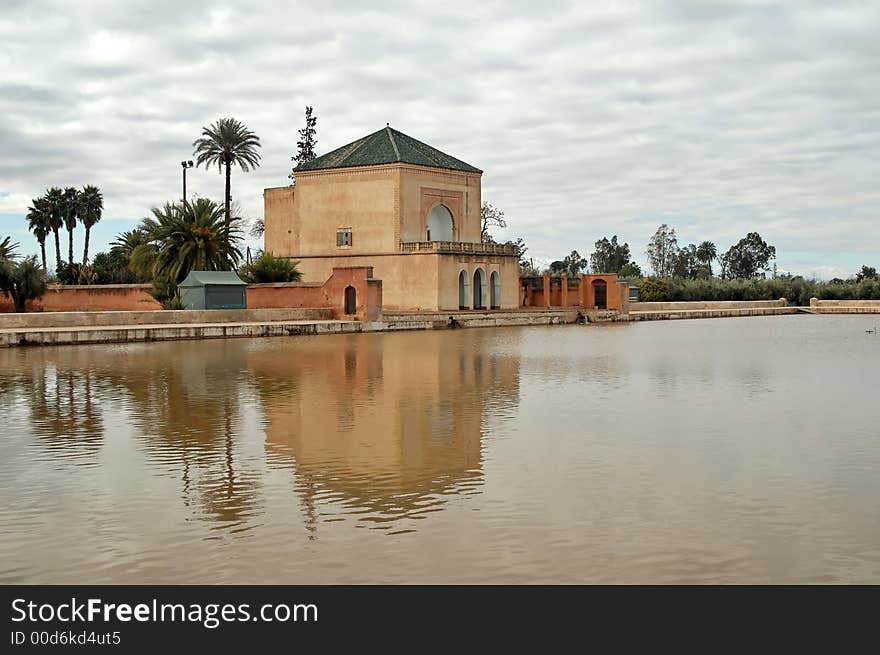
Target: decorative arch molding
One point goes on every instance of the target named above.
(452, 200)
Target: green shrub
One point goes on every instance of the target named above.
(269, 268)
(23, 280)
(654, 289)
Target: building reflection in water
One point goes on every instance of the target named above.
(376, 428)
(381, 427)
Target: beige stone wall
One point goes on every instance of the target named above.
(422, 281)
(382, 205)
(303, 220)
(422, 188)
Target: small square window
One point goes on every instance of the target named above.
(343, 237)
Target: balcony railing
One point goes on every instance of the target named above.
(459, 247)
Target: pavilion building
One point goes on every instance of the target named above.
(402, 207)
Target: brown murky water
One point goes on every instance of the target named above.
(734, 450)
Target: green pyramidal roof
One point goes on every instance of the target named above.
(387, 146)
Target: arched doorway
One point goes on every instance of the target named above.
(440, 224)
(600, 294)
(494, 290)
(480, 289)
(350, 300)
(464, 290)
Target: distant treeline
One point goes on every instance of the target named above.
(794, 288)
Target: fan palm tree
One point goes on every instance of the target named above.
(227, 142)
(706, 253)
(39, 223)
(70, 207)
(55, 206)
(89, 209)
(191, 236)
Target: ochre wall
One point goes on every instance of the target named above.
(408, 281)
(329, 294)
(558, 291)
(96, 297)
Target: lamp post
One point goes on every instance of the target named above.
(185, 165)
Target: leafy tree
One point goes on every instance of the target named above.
(305, 147)
(662, 251)
(490, 216)
(749, 259)
(91, 206)
(112, 268)
(185, 237)
(653, 289)
(573, 265)
(269, 268)
(609, 256)
(867, 273)
(706, 254)
(70, 206)
(55, 206)
(23, 280)
(687, 263)
(227, 142)
(39, 222)
(630, 270)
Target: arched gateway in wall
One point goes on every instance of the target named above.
(600, 294)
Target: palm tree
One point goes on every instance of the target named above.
(55, 206)
(89, 209)
(7, 249)
(70, 207)
(191, 236)
(40, 224)
(227, 142)
(126, 242)
(22, 281)
(706, 253)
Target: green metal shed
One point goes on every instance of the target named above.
(213, 290)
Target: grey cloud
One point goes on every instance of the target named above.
(589, 119)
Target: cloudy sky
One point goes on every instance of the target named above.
(588, 118)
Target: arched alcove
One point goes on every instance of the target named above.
(494, 290)
(440, 227)
(464, 290)
(480, 289)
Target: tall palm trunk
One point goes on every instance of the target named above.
(70, 247)
(86, 247)
(43, 252)
(57, 250)
(228, 189)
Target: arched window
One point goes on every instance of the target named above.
(350, 300)
(464, 290)
(480, 289)
(494, 290)
(440, 224)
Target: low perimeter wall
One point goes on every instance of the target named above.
(329, 297)
(870, 304)
(90, 298)
(699, 306)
